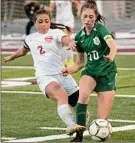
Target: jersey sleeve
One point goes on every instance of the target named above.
(78, 47)
(60, 34)
(25, 44)
(105, 33)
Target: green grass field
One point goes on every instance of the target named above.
(23, 114)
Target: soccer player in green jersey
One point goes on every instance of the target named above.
(99, 73)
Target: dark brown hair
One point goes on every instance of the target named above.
(40, 11)
(60, 26)
(53, 25)
(92, 5)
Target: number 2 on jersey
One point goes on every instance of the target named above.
(40, 49)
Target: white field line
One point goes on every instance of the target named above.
(37, 93)
(122, 121)
(126, 69)
(7, 138)
(22, 92)
(17, 67)
(53, 128)
(64, 136)
(111, 120)
(123, 128)
(14, 83)
(29, 67)
(126, 53)
(128, 76)
(21, 79)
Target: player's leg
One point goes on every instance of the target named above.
(72, 89)
(50, 86)
(58, 94)
(81, 108)
(72, 101)
(84, 92)
(104, 102)
(106, 91)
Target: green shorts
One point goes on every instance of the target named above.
(105, 82)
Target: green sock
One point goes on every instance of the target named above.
(81, 114)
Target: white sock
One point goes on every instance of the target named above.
(65, 114)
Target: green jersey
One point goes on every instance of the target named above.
(94, 45)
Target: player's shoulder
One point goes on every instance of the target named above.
(55, 30)
(99, 26)
(31, 36)
(79, 33)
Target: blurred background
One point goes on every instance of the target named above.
(24, 111)
(120, 15)
(120, 18)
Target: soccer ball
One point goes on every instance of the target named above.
(100, 130)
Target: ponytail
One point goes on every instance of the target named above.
(59, 26)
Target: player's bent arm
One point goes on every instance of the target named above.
(19, 53)
(67, 41)
(113, 48)
(78, 65)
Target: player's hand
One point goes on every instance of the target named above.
(109, 57)
(64, 72)
(72, 46)
(7, 59)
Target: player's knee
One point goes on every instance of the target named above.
(83, 97)
(55, 92)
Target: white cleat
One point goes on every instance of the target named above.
(74, 128)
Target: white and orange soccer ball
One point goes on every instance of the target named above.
(100, 130)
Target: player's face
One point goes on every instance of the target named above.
(88, 18)
(42, 23)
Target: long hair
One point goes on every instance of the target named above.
(60, 26)
(53, 25)
(92, 5)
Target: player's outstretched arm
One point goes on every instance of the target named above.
(19, 53)
(79, 64)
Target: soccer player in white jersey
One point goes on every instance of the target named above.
(45, 45)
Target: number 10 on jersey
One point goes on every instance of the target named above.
(93, 55)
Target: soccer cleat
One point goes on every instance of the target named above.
(78, 138)
(74, 128)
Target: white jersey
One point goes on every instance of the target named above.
(64, 13)
(46, 51)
